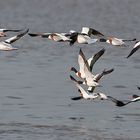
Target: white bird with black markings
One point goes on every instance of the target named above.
(88, 76)
(6, 45)
(81, 39)
(86, 95)
(103, 38)
(85, 71)
(91, 61)
(135, 48)
(57, 37)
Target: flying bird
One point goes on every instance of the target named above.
(58, 37)
(86, 95)
(85, 69)
(81, 39)
(6, 45)
(103, 38)
(91, 61)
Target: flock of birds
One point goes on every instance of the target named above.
(91, 81)
(87, 78)
(86, 36)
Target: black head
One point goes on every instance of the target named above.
(73, 69)
(102, 40)
(134, 39)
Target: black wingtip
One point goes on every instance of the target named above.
(73, 79)
(133, 50)
(118, 103)
(32, 34)
(77, 98)
(138, 88)
(12, 30)
(102, 51)
(108, 71)
(95, 32)
(130, 54)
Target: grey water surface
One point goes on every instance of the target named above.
(35, 89)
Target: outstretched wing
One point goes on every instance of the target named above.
(100, 75)
(44, 35)
(96, 33)
(112, 99)
(90, 31)
(92, 60)
(15, 38)
(82, 61)
(10, 30)
(135, 48)
(118, 102)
